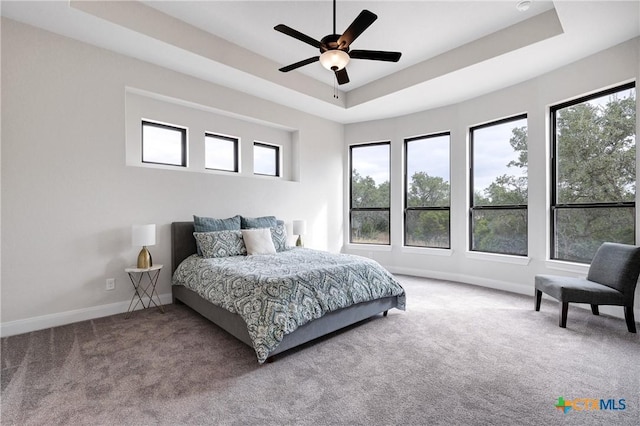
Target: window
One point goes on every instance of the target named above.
(427, 191)
(499, 160)
(221, 152)
(369, 215)
(593, 173)
(266, 159)
(164, 144)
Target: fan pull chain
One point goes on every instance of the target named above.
(335, 87)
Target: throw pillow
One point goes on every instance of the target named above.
(210, 224)
(258, 241)
(279, 237)
(258, 222)
(220, 243)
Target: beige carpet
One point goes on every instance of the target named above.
(458, 355)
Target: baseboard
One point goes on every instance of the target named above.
(614, 311)
(27, 325)
(12, 328)
(467, 279)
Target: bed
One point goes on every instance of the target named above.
(270, 325)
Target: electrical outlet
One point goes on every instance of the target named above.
(111, 284)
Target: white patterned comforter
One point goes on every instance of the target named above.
(276, 294)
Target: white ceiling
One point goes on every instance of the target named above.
(451, 50)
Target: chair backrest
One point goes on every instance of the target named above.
(616, 266)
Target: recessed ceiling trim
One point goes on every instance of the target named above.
(518, 36)
(167, 29)
(145, 20)
(168, 40)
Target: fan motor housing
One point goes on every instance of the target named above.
(330, 42)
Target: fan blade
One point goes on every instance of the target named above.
(357, 27)
(300, 64)
(298, 35)
(342, 76)
(375, 55)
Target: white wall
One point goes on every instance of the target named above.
(69, 199)
(198, 120)
(605, 69)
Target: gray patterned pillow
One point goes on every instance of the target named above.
(210, 224)
(279, 237)
(220, 243)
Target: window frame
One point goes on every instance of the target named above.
(406, 191)
(554, 206)
(236, 143)
(183, 142)
(472, 207)
(367, 209)
(276, 149)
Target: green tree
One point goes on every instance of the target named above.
(504, 231)
(596, 160)
(428, 227)
(427, 191)
(366, 194)
(369, 226)
(597, 152)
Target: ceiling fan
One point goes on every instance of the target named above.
(334, 48)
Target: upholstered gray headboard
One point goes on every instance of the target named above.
(183, 244)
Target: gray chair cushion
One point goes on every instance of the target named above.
(616, 266)
(578, 290)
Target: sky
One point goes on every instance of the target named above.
(372, 160)
(492, 153)
(603, 100)
(166, 147)
(219, 153)
(430, 155)
(264, 160)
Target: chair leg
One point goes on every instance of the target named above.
(564, 307)
(628, 316)
(594, 309)
(538, 299)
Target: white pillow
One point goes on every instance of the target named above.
(258, 241)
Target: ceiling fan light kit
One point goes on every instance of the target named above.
(334, 48)
(334, 60)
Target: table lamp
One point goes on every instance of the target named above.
(143, 235)
(299, 228)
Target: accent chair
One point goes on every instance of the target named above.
(612, 279)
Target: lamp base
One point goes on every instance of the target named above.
(299, 241)
(144, 259)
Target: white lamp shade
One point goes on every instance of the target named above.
(299, 227)
(334, 59)
(143, 235)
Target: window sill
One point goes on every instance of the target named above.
(503, 258)
(368, 247)
(559, 265)
(427, 250)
